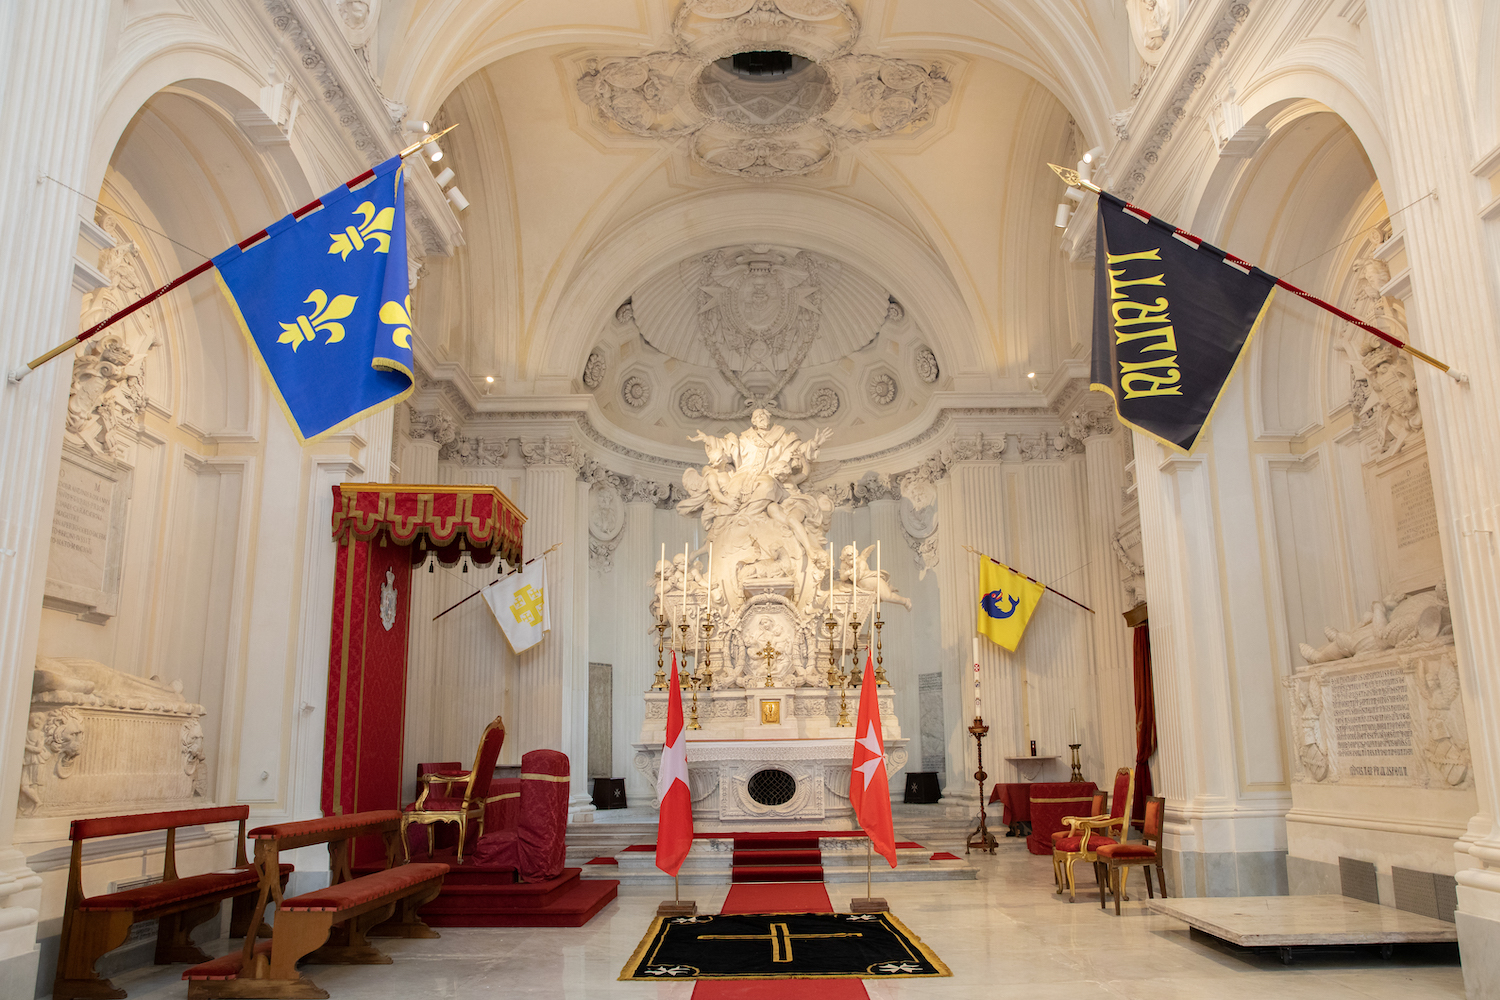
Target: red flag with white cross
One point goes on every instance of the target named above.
(674, 824)
(869, 786)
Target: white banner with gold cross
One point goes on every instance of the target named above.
(519, 602)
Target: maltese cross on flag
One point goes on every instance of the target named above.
(869, 787)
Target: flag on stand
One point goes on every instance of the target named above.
(869, 786)
(1172, 318)
(324, 301)
(674, 821)
(1006, 601)
(519, 603)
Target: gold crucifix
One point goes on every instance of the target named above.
(768, 654)
(781, 939)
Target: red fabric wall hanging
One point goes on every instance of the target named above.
(1145, 719)
(381, 530)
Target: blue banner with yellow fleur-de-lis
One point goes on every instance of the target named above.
(324, 301)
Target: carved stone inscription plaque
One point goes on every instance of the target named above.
(83, 564)
(80, 527)
(1372, 724)
(1407, 526)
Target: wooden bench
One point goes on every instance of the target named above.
(94, 925)
(329, 926)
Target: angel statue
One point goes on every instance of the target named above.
(868, 579)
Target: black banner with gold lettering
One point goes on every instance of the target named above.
(1172, 317)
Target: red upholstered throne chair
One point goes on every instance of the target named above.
(536, 846)
(1114, 861)
(458, 797)
(1088, 833)
(1099, 806)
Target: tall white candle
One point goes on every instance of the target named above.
(708, 586)
(978, 701)
(854, 587)
(683, 645)
(661, 587)
(878, 577)
(830, 578)
(1075, 727)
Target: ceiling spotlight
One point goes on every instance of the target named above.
(444, 177)
(415, 125)
(434, 152)
(1064, 215)
(456, 199)
(1031, 374)
(1093, 154)
(489, 378)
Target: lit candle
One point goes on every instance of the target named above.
(978, 705)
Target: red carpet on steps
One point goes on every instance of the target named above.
(784, 857)
(784, 897)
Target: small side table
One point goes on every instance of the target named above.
(1031, 767)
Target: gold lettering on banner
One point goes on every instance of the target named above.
(1156, 377)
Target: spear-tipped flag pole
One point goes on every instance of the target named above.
(1170, 324)
(245, 244)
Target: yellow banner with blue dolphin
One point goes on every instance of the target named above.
(324, 302)
(1006, 601)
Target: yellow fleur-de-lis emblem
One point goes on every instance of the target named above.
(375, 229)
(325, 313)
(398, 315)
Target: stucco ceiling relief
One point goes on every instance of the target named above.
(763, 123)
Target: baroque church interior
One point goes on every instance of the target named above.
(770, 320)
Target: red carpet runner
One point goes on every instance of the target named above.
(779, 897)
(792, 857)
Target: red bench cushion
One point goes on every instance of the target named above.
(1122, 851)
(1069, 845)
(355, 892)
(112, 826)
(225, 966)
(326, 824)
(149, 897)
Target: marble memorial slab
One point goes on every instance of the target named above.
(1299, 921)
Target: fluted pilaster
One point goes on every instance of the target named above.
(51, 72)
(1113, 681)
(1417, 62)
(634, 654)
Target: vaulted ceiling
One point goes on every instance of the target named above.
(846, 230)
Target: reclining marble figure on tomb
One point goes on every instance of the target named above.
(99, 739)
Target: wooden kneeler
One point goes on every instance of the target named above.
(328, 926)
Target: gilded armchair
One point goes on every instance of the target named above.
(1087, 833)
(458, 796)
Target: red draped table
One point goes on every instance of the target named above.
(1050, 801)
(1015, 797)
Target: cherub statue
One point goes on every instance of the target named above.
(868, 580)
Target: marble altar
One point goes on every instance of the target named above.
(772, 632)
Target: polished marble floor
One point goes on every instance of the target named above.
(1004, 935)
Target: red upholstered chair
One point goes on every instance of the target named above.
(460, 796)
(1091, 832)
(1050, 801)
(1097, 809)
(536, 846)
(1113, 861)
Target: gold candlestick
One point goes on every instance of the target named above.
(879, 659)
(660, 684)
(708, 655)
(981, 837)
(833, 672)
(1077, 774)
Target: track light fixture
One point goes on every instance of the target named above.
(456, 199)
(434, 152)
(1093, 155)
(1064, 215)
(444, 177)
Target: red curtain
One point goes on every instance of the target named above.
(1145, 719)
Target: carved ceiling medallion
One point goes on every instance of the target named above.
(763, 124)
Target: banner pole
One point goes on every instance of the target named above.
(869, 852)
(244, 244)
(1072, 179)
